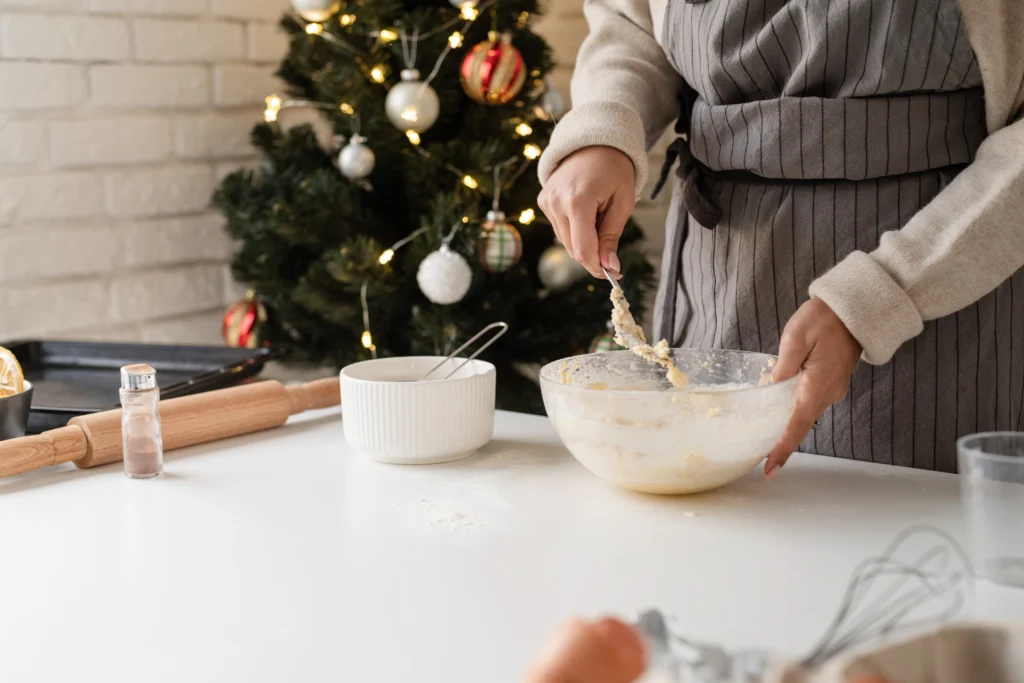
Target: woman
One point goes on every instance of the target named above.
(850, 187)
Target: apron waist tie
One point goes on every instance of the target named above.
(697, 198)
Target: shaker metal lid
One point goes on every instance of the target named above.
(138, 377)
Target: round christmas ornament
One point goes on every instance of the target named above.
(557, 270)
(460, 4)
(316, 10)
(243, 322)
(412, 104)
(356, 160)
(499, 245)
(444, 276)
(493, 72)
(552, 102)
(604, 342)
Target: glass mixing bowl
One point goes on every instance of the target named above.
(619, 416)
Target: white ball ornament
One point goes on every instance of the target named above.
(316, 10)
(356, 160)
(557, 270)
(412, 104)
(444, 276)
(464, 3)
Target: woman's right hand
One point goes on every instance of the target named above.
(588, 200)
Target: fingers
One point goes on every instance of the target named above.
(609, 230)
(808, 410)
(582, 212)
(793, 349)
(604, 652)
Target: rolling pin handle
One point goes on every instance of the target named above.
(49, 448)
(320, 393)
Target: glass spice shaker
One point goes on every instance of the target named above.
(141, 440)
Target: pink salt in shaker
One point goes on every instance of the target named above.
(141, 440)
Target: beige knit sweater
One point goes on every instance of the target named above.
(951, 253)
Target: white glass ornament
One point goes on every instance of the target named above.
(553, 102)
(411, 104)
(444, 276)
(356, 160)
(464, 3)
(557, 269)
(316, 10)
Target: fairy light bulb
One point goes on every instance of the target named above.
(469, 13)
(470, 182)
(387, 35)
(367, 340)
(346, 108)
(522, 19)
(527, 216)
(347, 19)
(455, 40)
(273, 107)
(413, 136)
(314, 29)
(524, 129)
(465, 219)
(386, 256)
(531, 151)
(378, 74)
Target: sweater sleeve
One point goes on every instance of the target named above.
(624, 91)
(957, 249)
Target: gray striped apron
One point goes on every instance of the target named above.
(811, 127)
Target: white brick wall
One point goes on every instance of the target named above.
(117, 118)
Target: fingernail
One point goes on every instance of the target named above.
(772, 472)
(613, 261)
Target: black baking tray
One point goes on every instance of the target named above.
(78, 378)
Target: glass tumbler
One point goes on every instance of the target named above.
(992, 489)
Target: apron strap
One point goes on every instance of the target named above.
(696, 197)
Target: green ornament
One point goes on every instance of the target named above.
(604, 342)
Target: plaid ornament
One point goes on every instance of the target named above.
(499, 245)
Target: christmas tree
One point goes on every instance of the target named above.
(423, 227)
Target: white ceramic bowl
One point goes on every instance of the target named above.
(621, 419)
(391, 416)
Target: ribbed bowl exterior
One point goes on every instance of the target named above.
(390, 417)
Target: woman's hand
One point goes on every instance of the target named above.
(588, 200)
(816, 340)
(607, 651)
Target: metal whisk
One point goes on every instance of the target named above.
(502, 329)
(900, 590)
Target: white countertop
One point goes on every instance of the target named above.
(285, 557)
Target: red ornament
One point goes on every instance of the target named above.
(493, 72)
(242, 323)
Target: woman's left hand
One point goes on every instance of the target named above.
(816, 340)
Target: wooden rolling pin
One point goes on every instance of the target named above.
(93, 440)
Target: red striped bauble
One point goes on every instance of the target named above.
(243, 323)
(493, 72)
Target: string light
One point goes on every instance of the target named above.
(346, 108)
(378, 74)
(387, 35)
(527, 216)
(469, 13)
(314, 29)
(470, 182)
(531, 151)
(413, 136)
(347, 19)
(455, 40)
(523, 18)
(465, 219)
(273, 108)
(389, 253)
(524, 129)
(367, 340)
